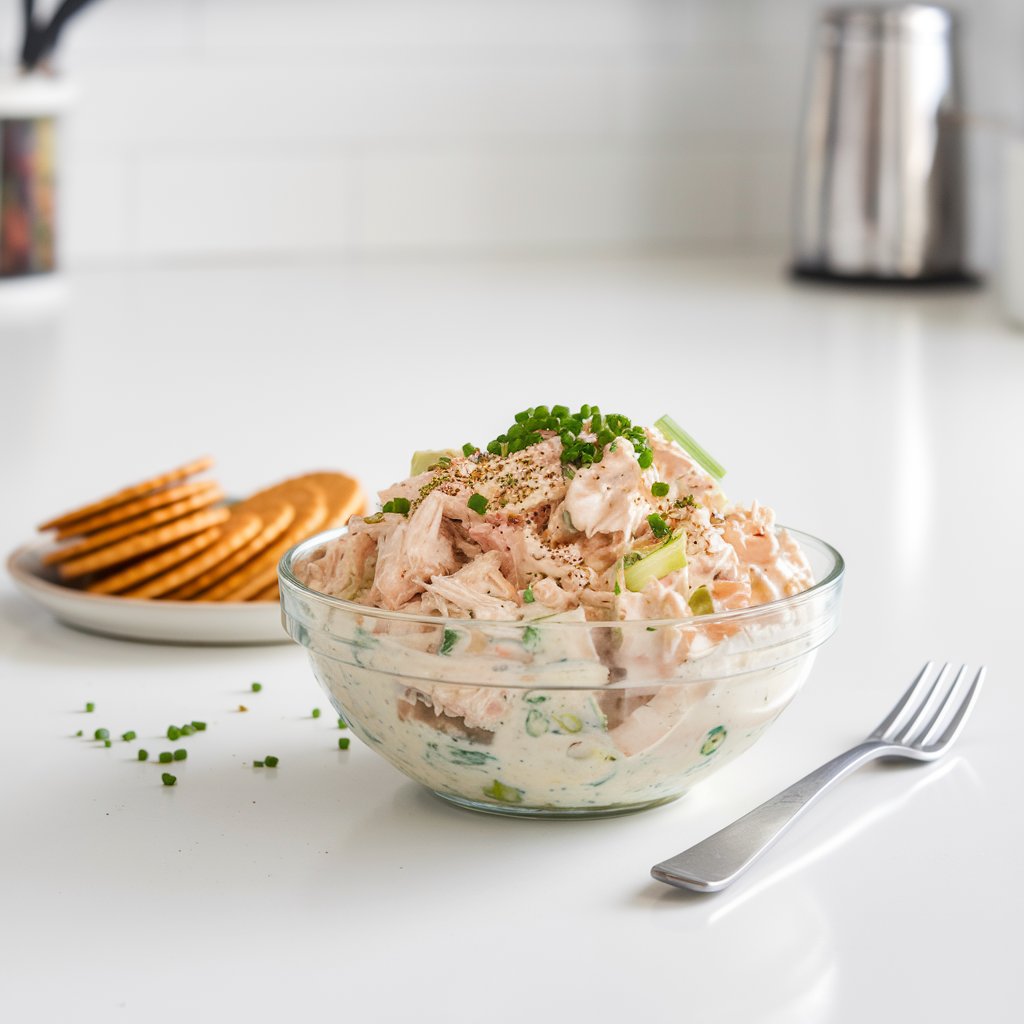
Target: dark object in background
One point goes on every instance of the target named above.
(40, 38)
(880, 184)
(27, 196)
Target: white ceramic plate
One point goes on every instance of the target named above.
(177, 622)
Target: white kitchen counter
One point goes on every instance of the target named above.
(888, 423)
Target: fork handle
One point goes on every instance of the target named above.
(720, 859)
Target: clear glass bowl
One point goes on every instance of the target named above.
(555, 718)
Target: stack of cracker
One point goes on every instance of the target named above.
(174, 538)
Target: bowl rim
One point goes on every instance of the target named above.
(830, 581)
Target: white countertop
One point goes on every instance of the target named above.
(888, 423)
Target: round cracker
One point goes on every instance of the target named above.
(271, 593)
(156, 563)
(310, 513)
(239, 529)
(143, 543)
(277, 514)
(196, 500)
(344, 496)
(127, 493)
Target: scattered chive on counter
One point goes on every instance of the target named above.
(186, 730)
(256, 687)
(270, 761)
(101, 734)
(166, 757)
(169, 779)
(143, 755)
(199, 726)
(90, 707)
(316, 712)
(173, 732)
(180, 754)
(342, 724)
(79, 733)
(106, 743)
(257, 764)
(128, 736)
(343, 742)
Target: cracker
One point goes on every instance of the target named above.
(239, 529)
(208, 493)
(157, 563)
(272, 593)
(127, 493)
(277, 514)
(344, 496)
(143, 543)
(310, 513)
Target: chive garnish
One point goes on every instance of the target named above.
(448, 641)
(257, 764)
(169, 779)
(186, 730)
(173, 732)
(256, 687)
(180, 754)
(478, 503)
(316, 712)
(658, 525)
(343, 742)
(143, 755)
(79, 733)
(270, 761)
(468, 449)
(342, 724)
(660, 489)
(199, 726)
(101, 734)
(90, 707)
(128, 736)
(106, 743)
(528, 597)
(166, 757)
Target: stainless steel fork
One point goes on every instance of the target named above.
(922, 726)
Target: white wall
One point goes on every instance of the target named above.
(209, 128)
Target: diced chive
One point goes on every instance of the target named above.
(186, 730)
(168, 779)
(342, 724)
(388, 506)
(660, 489)
(618, 589)
(270, 761)
(400, 505)
(180, 754)
(101, 734)
(143, 755)
(199, 726)
(645, 458)
(468, 449)
(106, 743)
(531, 638)
(173, 732)
(674, 432)
(343, 742)
(79, 733)
(128, 736)
(658, 525)
(90, 707)
(528, 597)
(448, 641)
(257, 764)
(256, 687)
(478, 503)
(316, 712)
(166, 757)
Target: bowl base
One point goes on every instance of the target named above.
(564, 813)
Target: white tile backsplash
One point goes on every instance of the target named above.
(221, 127)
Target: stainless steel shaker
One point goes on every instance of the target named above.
(880, 190)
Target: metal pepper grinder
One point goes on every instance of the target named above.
(880, 183)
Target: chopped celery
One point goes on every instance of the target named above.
(660, 562)
(700, 602)
(674, 432)
(422, 461)
(568, 721)
(506, 794)
(713, 740)
(531, 638)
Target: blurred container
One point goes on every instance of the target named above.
(880, 190)
(1011, 284)
(29, 109)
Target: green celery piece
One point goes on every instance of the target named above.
(506, 794)
(660, 562)
(422, 461)
(674, 432)
(700, 602)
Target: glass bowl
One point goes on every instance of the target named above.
(555, 718)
